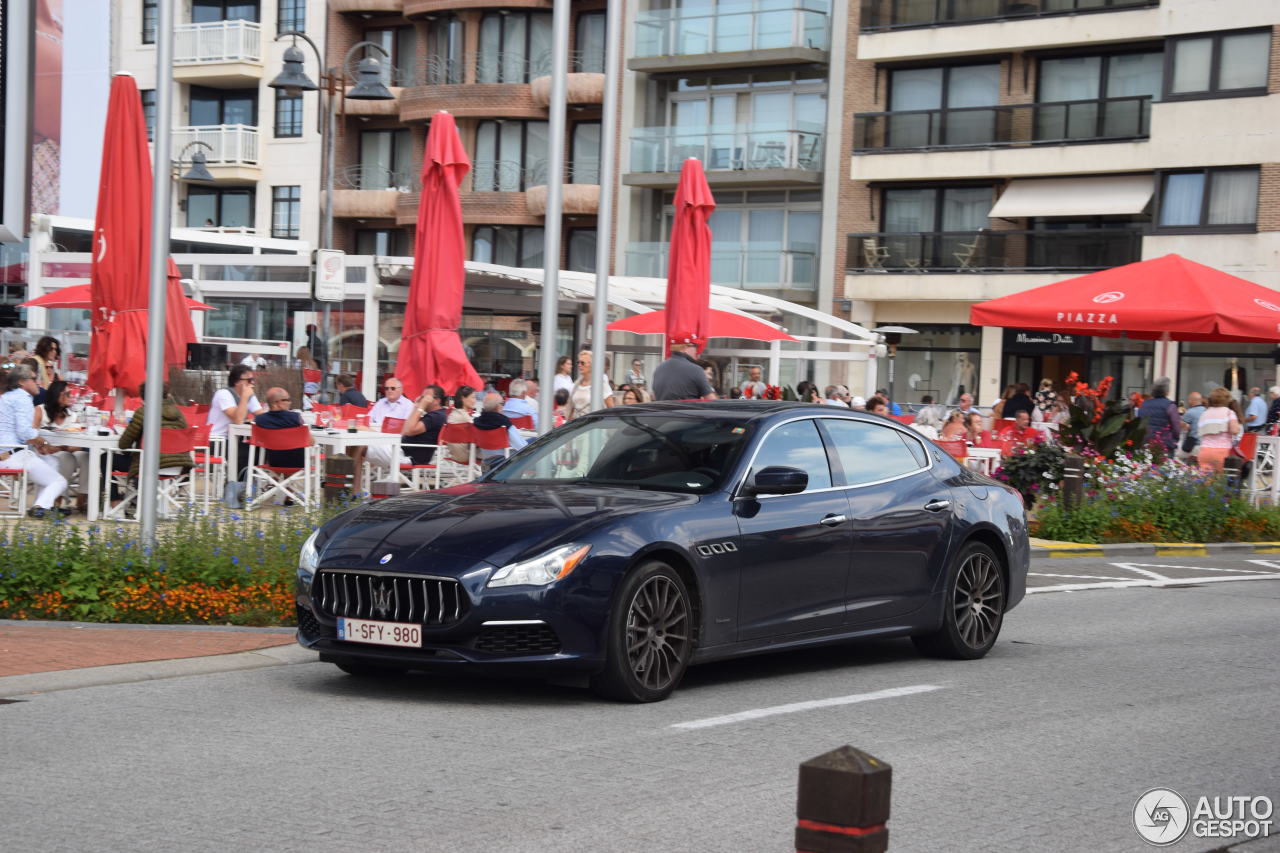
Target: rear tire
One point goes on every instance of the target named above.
(973, 609)
(650, 637)
(369, 670)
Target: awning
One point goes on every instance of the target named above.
(1075, 197)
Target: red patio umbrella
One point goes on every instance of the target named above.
(689, 260)
(430, 350)
(178, 328)
(720, 324)
(122, 243)
(1166, 298)
(78, 296)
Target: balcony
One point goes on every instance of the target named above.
(1042, 250)
(737, 155)
(369, 192)
(668, 40)
(751, 266)
(584, 84)
(1052, 123)
(882, 15)
(232, 154)
(221, 53)
(500, 88)
(368, 6)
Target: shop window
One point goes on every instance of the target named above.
(1218, 65)
(1210, 199)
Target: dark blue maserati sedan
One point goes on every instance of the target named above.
(641, 539)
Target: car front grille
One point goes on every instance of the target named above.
(513, 640)
(311, 629)
(431, 602)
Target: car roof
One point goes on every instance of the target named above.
(746, 410)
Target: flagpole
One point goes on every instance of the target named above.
(604, 213)
(551, 227)
(161, 189)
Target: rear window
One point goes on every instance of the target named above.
(870, 452)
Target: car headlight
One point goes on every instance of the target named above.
(543, 569)
(308, 558)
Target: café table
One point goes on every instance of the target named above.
(984, 459)
(96, 440)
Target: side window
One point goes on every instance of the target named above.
(870, 452)
(796, 445)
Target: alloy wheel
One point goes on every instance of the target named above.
(657, 632)
(978, 600)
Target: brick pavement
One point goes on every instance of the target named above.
(48, 647)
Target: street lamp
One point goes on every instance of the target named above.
(893, 337)
(199, 170)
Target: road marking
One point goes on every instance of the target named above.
(796, 707)
(1076, 587)
(1134, 567)
(1088, 577)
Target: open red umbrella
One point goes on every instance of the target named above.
(720, 324)
(121, 245)
(431, 351)
(689, 260)
(1166, 298)
(79, 296)
(178, 328)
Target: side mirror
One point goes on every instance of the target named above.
(776, 480)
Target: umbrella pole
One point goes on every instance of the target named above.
(149, 472)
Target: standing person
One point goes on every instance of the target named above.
(1046, 398)
(709, 368)
(518, 405)
(24, 445)
(997, 408)
(1273, 410)
(1190, 437)
(47, 353)
(1164, 423)
(564, 375)
(807, 392)
(635, 376)
(1217, 427)
(1255, 415)
(317, 346)
(580, 394)
(754, 385)
(681, 378)
(1019, 402)
(347, 393)
(70, 461)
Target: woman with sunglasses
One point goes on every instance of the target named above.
(580, 399)
(47, 353)
(71, 462)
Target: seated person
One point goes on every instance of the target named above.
(1021, 430)
(394, 405)
(954, 428)
(518, 404)
(347, 393)
(491, 417)
(423, 426)
(278, 416)
(171, 464)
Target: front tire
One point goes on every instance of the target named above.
(650, 637)
(973, 609)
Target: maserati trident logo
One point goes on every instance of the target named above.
(386, 558)
(1109, 296)
(381, 598)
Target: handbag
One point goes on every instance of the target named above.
(1188, 442)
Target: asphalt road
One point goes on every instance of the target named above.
(1090, 698)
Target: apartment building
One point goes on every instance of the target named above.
(261, 146)
(994, 146)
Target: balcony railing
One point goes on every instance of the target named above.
(440, 71)
(1056, 249)
(1110, 119)
(506, 176)
(668, 32)
(894, 14)
(368, 177)
(730, 147)
(229, 144)
(753, 266)
(218, 41)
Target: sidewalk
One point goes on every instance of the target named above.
(41, 656)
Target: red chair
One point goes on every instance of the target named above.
(176, 485)
(904, 419)
(492, 440)
(350, 411)
(13, 485)
(957, 448)
(288, 483)
(392, 424)
(213, 467)
(446, 465)
(523, 422)
(1248, 446)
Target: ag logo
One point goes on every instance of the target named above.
(1109, 296)
(1161, 817)
(1270, 306)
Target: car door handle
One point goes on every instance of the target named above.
(937, 505)
(833, 520)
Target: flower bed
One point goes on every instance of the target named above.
(223, 568)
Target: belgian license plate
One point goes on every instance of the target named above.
(380, 633)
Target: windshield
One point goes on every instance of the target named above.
(645, 451)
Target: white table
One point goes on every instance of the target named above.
(96, 444)
(1264, 479)
(984, 459)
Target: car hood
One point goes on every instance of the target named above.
(478, 522)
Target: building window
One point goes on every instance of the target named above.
(514, 47)
(401, 46)
(927, 97)
(507, 245)
(383, 241)
(589, 43)
(584, 153)
(211, 11)
(286, 210)
(511, 156)
(936, 223)
(288, 115)
(1214, 199)
(582, 250)
(444, 51)
(149, 14)
(1218, 64)
(208, 207)
(386, 160)
(210, 107)
(292, 16)
(148, 97)
(1090, 97)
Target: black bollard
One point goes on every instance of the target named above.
(339, 476)
(842, 804)
(1072, 481)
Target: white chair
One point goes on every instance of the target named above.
(176, 486)
(13, 486)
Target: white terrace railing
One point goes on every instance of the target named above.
(218, 41)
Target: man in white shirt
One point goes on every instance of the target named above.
(22, 446)
(235, 403)
(831, 397)
(518, 405)
(754, 387)
(256, 361)
(394, 404)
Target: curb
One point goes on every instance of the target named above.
(124, 673)
(1153, 549)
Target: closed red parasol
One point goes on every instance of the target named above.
(121, 246)
(689, 260)
(431, 351)
(1169, 298)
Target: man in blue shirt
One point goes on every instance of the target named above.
(518, 405)
(23, 442)
(1255, 416)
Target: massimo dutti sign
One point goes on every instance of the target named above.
(1017, 340)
